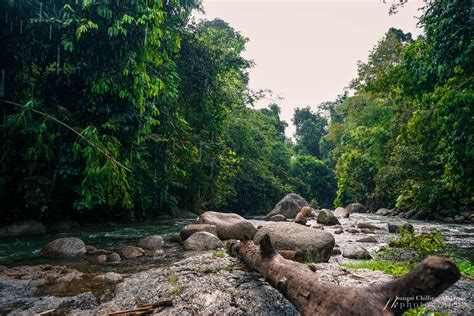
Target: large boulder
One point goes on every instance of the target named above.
(314, 244)
(341, 212)
(202, 241)
(27, 228)
(190, 229)
(64, 248)
(228, 225)
(356, 208)
(151, 242)
(326, 217)
(289, 206)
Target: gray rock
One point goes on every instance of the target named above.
(368, 239)
(190, 229)
(64, 247)
(289, 206)
(315, 245)
(410, 214)
(368, 226)
(420, 215)
(27, 228)
(113, 257)
(394, 227)
(356, 208)
(356, 252)
(459, 219)
(326, 217)
(366, 231)
(129, 252)
(200, 285)
(229, 225)
(202, 241)
(151, 242)
(341, 212)
(402, 215)
(352, 230)
(277, 218)
(383, 211)
(338, 231)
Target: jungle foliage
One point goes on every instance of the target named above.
(127, 110)
(406, 137)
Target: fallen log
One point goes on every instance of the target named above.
(312, 297)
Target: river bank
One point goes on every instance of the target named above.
(200, 282)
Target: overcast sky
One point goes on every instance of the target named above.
(307, 51)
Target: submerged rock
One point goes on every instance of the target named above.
(27, 228)
(202, 241)
(151, 242)
(64, 247)
(394, 227)
(314, 244)
(190, 229)
(228, 225)
(326, 217)
(289, 206)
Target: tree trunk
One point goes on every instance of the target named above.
(312, 297)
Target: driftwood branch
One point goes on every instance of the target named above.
(312, 297)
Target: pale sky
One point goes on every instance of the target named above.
(307, 51)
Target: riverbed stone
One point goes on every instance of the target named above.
(129, 252)
(314, 244)
(64, 247)
(341, 212)
(110, 276)
(228, 225)
(202, 241)
(352, 230)
(151, 242)
(190, 229)
(368, 225)
(394, 227)
(368, 239)
(356, 208)
(383, 211)
(113, 257)
(338, 231)
(326, 217)
(100, 259)
(356, 252)
(26, 228)
(459, 219)
(289, 206)
(277, 218)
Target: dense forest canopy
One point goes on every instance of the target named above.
(130, 109)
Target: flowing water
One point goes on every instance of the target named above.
(24, 250)
(16, 251)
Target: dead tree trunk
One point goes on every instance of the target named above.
(311, 297)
